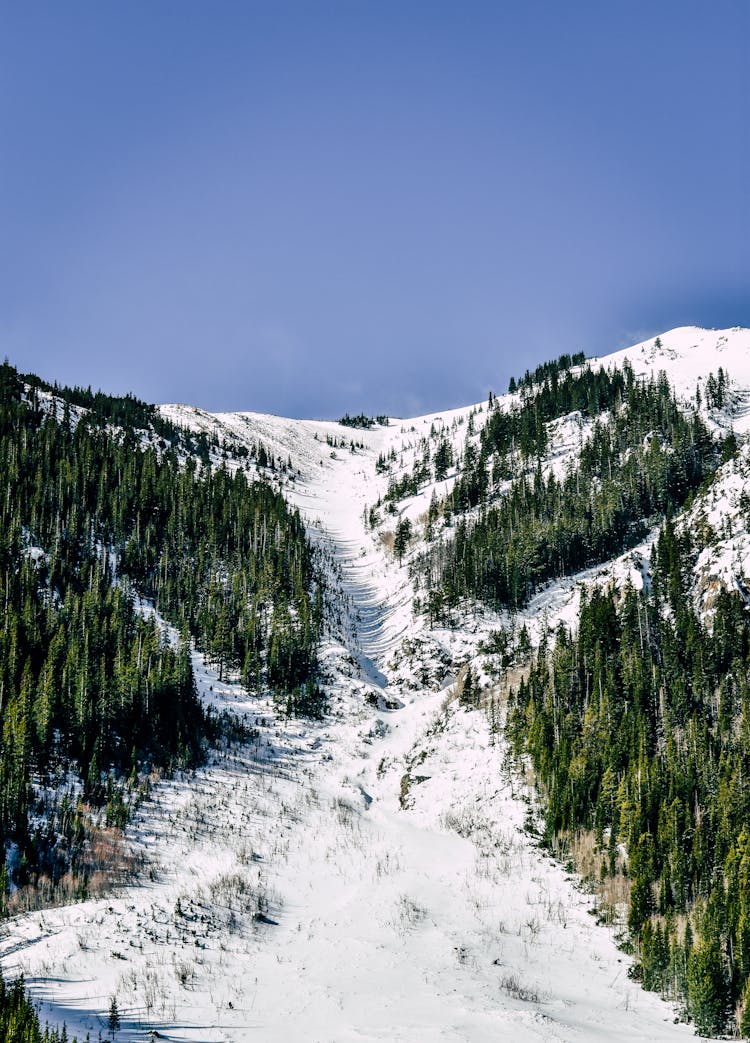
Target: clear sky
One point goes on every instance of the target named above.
(313, 207)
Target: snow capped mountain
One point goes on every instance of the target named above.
(334, 485)
(689, 355)
(371, 876)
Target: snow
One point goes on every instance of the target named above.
(440, 922)
(719, 521)
(688, 354)
(367, 877)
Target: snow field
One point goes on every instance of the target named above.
(367, 877)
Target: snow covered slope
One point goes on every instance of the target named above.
(688, 355)
(368, 877)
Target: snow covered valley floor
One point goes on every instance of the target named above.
(294, 899)
(367, 877)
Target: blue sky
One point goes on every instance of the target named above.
(314, 207)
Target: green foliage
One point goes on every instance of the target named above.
(402, 538)
(469, 691)
(124, 411)
(744, 1020)
(19, 1022)
(716, 390)
(707, 988)
(89, 517)
(546, 372)
(443, 459)
(113, 1017)
(639, 729)
(642, 459)
(362, 421)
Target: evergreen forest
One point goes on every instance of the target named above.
(19, 1021)
(520, 526)
(97, 515)
(638, 730)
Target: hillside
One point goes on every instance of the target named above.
(377, 874)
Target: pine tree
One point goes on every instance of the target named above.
(469, 688)
(707, 988)
(113, 1018)
(83, 676)
(402, 538)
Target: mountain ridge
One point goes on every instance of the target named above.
(406, 894)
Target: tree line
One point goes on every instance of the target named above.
(547, 371)
(93, 517)
(638, 729)
(363, 421)
(644, 456)
(19, 1021)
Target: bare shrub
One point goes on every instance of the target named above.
(346, 813)
(592, 863)
(228, 888)
(586, 857)
(614, 896)
(106, 862)
(408, 914)
(512, 984)
(463, 821)
(184, 972)
(387, 538)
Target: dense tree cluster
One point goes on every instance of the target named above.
(423, 469)
(547, 371)
(90, 515)
(443, 459)
(118, 410)
(19, 1021)
(644, 456)
(716, 389)
(363, 421)
(522, 429)
(638, 728)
